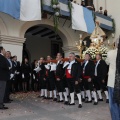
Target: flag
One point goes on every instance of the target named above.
(46, 5)
(25, 10)
(64, 9)
(82, 18)
(104, 21)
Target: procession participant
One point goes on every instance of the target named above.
(113, 60)
(18, 81)
(59, 79)
(4, 76)
(26, 73)
(73, 74)
(42, 79)
(8, 84)
(100, 82)
(13, 78)
(88, 75)
(34, 75)
(81, 82)
(50, 76)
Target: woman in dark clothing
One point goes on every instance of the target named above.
(34, 76)
(26, 73)
(42, 78)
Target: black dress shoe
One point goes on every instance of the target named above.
(107, 101)
(40, 96)
(92, 98)
(95, 103)
(55, 99)
(71, 103)
(79, 106)
(100, 100)
(45, 97)
(50, 98)
(66, 103)
(4, 108)
(60, 101)
(88, 101)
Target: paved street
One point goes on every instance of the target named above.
(27, 106)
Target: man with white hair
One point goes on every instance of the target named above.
(112, 60)
(73, 73)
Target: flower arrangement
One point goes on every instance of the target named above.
(103, 50)
(93, 51)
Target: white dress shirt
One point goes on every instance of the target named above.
(96, 67)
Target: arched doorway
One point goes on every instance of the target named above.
(41, 40)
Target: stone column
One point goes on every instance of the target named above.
(13, 44)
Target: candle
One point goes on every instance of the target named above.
(80, 35)
(80, 41)
(108, 42)
(102, 40)
(76, 42)
(85, 43)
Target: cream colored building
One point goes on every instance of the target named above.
(13, 32)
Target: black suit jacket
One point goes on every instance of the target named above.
(76, 71)
(60, 70)
(4, 69)
(102, 70)
(42, 71)
(89, 69)
(25, 68)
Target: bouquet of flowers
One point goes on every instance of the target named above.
(93, 51)
(103, 50)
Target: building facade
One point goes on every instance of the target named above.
(13, 32)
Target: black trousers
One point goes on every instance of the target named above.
(65, 82)
(18, 83)
(43, 83)
(82, 85)
(98, 84)
(88, 85)
(2, 92)
(7, 91)
(72, 86)
(60, 86)
(51, 84)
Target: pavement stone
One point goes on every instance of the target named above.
(26, 106)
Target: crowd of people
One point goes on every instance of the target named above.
(92, 7)
(62, 80)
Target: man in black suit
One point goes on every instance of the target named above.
(88, 76)
(100, 82)
(73, 76)
(4, 76)
(18, 81)
(59, 79)
(9, 83)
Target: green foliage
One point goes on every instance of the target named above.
(114, 26)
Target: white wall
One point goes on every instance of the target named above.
(113, 9)
(14, 49)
